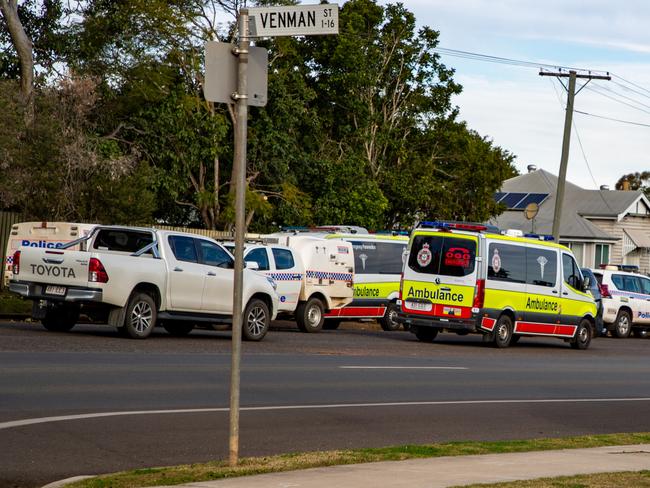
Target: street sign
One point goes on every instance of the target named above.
(296, 20)
(221, 73)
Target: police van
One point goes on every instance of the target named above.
(464, 278)
(378, 262)
(47, 235)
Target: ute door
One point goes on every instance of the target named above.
(643, 316)
(543, 302)
(573, 298)
(288, 275)
(218, 269)
(186, 275)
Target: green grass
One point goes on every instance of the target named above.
(288, 462)
(13, 304)
(639, 479)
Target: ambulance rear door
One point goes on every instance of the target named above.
(440, 274)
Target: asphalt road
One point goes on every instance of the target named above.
(164, 400)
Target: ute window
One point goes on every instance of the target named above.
(121, 240)
(377, 257)
(442, 255)
(214, 255)
(183, 248)
(260, 257)
(283, 259)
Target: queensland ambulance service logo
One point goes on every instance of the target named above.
(496, 261)
(542, 262)
(424, 256)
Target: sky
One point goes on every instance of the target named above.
(523, 112)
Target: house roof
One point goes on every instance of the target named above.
(578, 203)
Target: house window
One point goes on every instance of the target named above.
(578, 250)
(602, 254)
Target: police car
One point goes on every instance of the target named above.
(626, 302)
(463, 278)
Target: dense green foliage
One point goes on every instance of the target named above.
(360, 128)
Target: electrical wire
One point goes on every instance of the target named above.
(612, 119)
(596, 90)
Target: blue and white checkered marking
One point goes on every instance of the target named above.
(286, 276)
(327, 275)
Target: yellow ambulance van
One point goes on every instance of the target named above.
(463, 278)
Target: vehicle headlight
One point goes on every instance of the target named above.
(272, 282)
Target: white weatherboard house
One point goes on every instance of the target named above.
(600, 226)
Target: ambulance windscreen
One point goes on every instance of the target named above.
(442, 255)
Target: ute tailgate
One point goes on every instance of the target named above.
(53, 266)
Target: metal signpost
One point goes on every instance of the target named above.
(298, 20)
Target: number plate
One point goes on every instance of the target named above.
(55, 290)
(424, 307)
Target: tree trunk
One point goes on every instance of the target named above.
(23, 46)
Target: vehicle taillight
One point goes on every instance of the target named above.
(96, 271)
(604, 290)
(479, 298)
(15, 263)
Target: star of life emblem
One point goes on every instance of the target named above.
(424, 256)
(542, 262)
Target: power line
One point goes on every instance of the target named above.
(612, 119)
(595, 90)
(631, 83)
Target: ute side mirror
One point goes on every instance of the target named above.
(254, 265)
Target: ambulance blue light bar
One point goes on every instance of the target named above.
(541, 237)
(437, 224)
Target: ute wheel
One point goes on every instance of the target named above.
(583, 335)
(140, 317)
(426, 334)
(178, 329)
(256, 320)
(332, 324)
(640, 333)
(503, 332)
(309, 315)
(622, 325)
(60, 318)
(389, 321)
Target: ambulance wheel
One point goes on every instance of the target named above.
(426, 334)
(309, 315)
(622, 325)
(256, 320)
(583, 335)
(61, 318)
(332, 324)
(503, 332)
(389, 321)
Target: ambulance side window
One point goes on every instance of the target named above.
(541, 267)
(377, 257)
(572, 274)
(507, 262)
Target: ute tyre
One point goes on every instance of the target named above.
(140, 317)
(331, 324)
(60, 319)
(256, 320)
(503, 332)
(178, 329)
(389, 321)
(622, 325)
(583, 336)
(426, 334)
(309, 315)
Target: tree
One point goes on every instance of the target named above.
(635, 181)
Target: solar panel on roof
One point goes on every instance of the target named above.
(512, 199)
(531, 198)
(498, 196)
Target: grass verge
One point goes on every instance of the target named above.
(639, 479)
(13, 304)
(189, 473)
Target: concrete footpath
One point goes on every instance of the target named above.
(451, 471)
